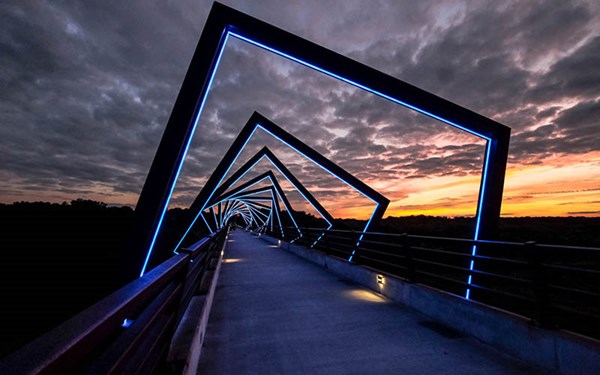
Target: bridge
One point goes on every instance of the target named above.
(241, 302)
(277, 314)
(270, 298)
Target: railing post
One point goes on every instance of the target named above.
(354, 240)
(411, 274)
(543, 315)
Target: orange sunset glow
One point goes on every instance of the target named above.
(96, 139)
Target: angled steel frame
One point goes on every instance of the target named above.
(224, 22)
(277, 192)
(250, 198)
(266, 153)
(258, 121)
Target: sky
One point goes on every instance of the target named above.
(87, 88)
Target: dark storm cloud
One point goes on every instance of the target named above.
(579, 126)
(479, 62)
(574, 131)
(86, 89)
(575, 76)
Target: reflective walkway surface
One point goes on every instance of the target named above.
(275, 313)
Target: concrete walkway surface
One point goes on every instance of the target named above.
(275, 313)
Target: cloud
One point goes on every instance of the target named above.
(86, 90)
(584, 213)
(574, 77)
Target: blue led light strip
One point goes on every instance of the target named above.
(356, 84)
(186, 148)
(239, 194)
(305, 63)
(294, 185)
(221, 180)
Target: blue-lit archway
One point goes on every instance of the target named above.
(224, 22)
(215, 183)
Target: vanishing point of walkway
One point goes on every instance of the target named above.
(275, 313)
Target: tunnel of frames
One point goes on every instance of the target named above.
(224, 23)
(215, 201)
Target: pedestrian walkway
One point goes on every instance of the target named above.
(275, 313)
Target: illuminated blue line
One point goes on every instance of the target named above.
(219, 183)
(220, 214)
(395, 100)
(256, 211)
(488, 147)
(483, 184)
(247, 170)
(187, 146)
(237, 194)
(206, 222)
(299, 191)
(314, 162)
(283, 174)
(363, 233)
(356, 84)
(214, 216)
(274, 206)
(288, 209)
(317, 240)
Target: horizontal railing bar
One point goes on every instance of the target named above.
(95, 324)
(70, 347)
(573, 290)
(572, 269)
(383, 262)
(122, 348)
(526, 267)
(464, 240)
(577, 312)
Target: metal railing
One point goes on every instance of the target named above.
(127, 332)
(554, 286)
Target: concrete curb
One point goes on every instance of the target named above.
(556, 350)
(186, 346)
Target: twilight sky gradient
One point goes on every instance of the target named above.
(86, 92)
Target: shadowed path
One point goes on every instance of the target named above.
(275, 313)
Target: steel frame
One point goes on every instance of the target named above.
(224, 22)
